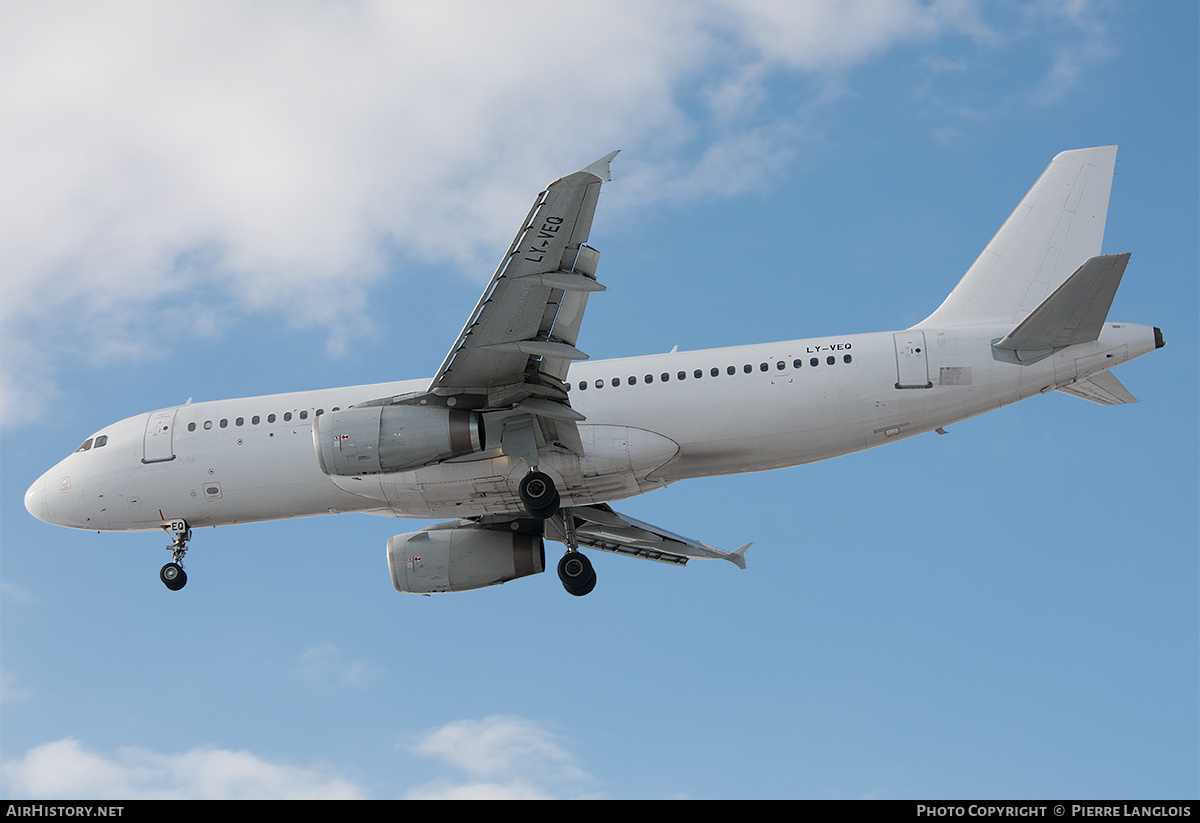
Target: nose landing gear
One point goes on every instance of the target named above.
(172, 575)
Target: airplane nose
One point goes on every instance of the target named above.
(35, 500)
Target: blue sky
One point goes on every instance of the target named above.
(218, 200)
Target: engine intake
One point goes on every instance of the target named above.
(442, 559)
(392, 437)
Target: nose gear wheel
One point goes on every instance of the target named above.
(172, 575)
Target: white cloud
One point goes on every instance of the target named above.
(499, 757)
(11, 691)
(1071, 60)
(326, 665)
(167, 165)
(504, 757)
(64, 769)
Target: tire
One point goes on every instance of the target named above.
(576, 573)
(538, 495)
(173, 576)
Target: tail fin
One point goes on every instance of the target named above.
(1057, 227)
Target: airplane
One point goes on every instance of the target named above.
(521, 438)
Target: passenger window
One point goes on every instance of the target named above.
(697, 374)
(207, 425)
(270, 418)
(254, 420)
(847, 359)
(616, 381)
(780, 365)
(762, 367)
(665, 377)
(239, 421)
(599, 384)
(224, 423)
(582, 385)
(191, 427)
(731, 370)
(632, 380)
(814, 362)
(830, 360)
(304, 415)
(649, 378)
(287, 416)
(747, 368)
(84, 446)
(714, 371)
(797, 363)
(682, 375)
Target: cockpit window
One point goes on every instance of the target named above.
(98, 441)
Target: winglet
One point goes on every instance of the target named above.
(600, 167)
(738, 558)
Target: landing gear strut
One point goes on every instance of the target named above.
(541, 500)
(172, 575)
(574, 569)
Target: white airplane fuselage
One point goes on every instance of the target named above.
(521, 438)
(650, 421)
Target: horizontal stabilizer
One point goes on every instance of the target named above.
(1075, 312)
(1103, 388)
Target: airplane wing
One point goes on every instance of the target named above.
(599, 527)
(519, 342)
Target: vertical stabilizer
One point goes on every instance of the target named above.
(1057, 227)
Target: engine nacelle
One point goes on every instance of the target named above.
(441, 559)
(393, 437)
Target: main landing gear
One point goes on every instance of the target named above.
(172, 575)
(538, 495)
(541, 500)
(576, 573)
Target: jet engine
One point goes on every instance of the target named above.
(453, 558)
(393, 437)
